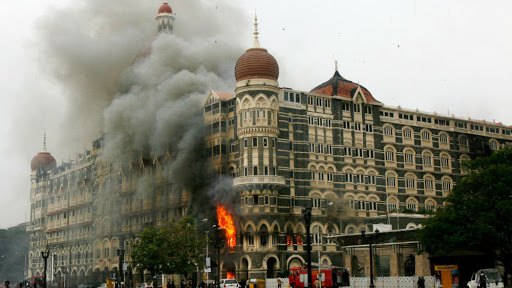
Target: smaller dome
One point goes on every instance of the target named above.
(165, 8)
(43, 160)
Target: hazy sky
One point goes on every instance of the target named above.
(447, 56)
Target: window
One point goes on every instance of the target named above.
(320, 148)
(393, 207)
(358, 152)
(312, 147)
(425, 136)
(464, 141)
(357, 108)
(493, 145)
(430, 206)
(388, 131)
(445, 161)
(310, 100)
(349, 177)
(410, 183)
(387, 114)
(265, 170)
(390, 155)
(312, 175)
(254, 142)
(407, 133)
(329, 177)
(423, 119)
(315, 202)
(429, 184)
(327, 103)
(427, 159)
(321, 175)
(447, 186)
(265, 142)
(246, 171)
(368, 109)
(391, 181)
(345, 106)
(246, 143)
(461, 125)
(443, 138)
(346, 125)
(357, 126)
(368, 128)
(412, 206)
(347, 151)
(328, 149)
(255, 170)
(371, 206)
(409, 157)
(372, 179)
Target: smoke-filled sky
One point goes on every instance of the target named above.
(63, 62)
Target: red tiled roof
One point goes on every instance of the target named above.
(339, 86)
(224, 95)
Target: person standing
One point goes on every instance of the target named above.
(421, 282)
(279, 282)
(6, 284)
(483, 280)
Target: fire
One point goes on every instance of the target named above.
(226, 222)
(230, 275)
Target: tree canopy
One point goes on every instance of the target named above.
(477, 214)
(172, 249)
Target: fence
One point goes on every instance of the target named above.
(364, 282)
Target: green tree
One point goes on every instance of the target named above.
(184, 246)
(477, 214)
(147, 253)
(173, 249)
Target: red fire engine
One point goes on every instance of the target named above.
(331, 277)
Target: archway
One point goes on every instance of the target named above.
(73, 279)
(96, 277)
(228, 270)
(244, 270)
(58, 279)
(271, 267)
(81, 277)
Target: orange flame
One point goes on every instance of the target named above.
(226, 222)
(230, 275)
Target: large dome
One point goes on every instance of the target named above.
(339, 86)
(43, 160)
(256, 63)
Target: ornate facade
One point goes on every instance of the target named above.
(355, 161)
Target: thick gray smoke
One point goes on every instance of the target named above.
(144, 89)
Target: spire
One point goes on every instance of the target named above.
(336, 65)
(256, 41)
(44, 140)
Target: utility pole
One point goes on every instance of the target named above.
(306, 212)
(371, 238)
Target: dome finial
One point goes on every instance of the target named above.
(336, 65)
(44, 140)
(256, 40)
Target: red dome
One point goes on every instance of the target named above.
(339, 86)
(43, 160)
(165, 8)
(256, 63)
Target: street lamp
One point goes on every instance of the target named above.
(371, 238)
(220, 241)
(45, 254)
(120, 254)
(319, 247)
(306, 212)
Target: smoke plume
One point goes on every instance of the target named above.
(144, 89)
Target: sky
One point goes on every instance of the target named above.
(449, 57)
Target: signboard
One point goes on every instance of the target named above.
(207, 270)
(208, 262)
(125, 266)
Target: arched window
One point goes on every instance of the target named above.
(427, 158)
(388, 130)
(263, 235)
(426, 135)
(447, 185)
(463, 141)
(391, 180)
(250, 236)
(443, 138)
(493, 144)
(298, 237)
(390, 154)
(445, 160)
(412, 204)
(409, 156)
(408, 133)
(429, 183)
(410, 181)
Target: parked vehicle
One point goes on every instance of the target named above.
(145, 285)
(331, 277)
(493, 277)
(229, 283)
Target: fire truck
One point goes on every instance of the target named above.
(331, 277)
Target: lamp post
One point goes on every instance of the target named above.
(120, 254)
(319, 248)
(220, 241)
(306, 212)
(370, 240)
(45, 254)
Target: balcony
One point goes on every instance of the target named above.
(266, 180)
